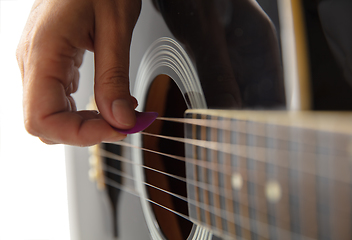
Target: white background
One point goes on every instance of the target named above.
(33, 195)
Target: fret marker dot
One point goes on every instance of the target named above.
(93, 174)
(93, 160)
(237, 181)
(273, 191)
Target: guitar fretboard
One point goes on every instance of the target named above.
(270, 175)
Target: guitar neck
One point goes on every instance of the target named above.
(270, 175)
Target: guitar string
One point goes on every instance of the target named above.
(230, 147)
(211, 188)
(226, 169)
(304, 143)
(206, 207)
(105, 153)
(204, 186)
(217, 212)
(240, 126)
(196, 162)
(209, 166)
(244, 221)
(339, 210)
(159, 136)
(119, 186)
(245, 152)
(234, 149)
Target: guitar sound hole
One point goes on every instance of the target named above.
(165, 98)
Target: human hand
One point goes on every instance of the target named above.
(49, 54)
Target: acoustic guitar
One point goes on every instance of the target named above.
(254, 134)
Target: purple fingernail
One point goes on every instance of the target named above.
(143, 120)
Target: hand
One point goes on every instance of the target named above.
(49, 54)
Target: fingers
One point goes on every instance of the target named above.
(112, 44)
(86, 128)
(49, 56)
(49, 109)
(78, 128)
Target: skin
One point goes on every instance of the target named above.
(51, 49)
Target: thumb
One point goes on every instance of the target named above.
(113, 32)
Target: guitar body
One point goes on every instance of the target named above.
(189, 55)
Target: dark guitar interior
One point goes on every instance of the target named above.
(165, 98)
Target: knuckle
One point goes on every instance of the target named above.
(115, 77)
(30, 117)
(31, 125)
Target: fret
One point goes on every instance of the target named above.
(339, 145)
(215, 178)
(221, 178)
(323, 189)
(340, 200)
(228, 187)
(297, 186)
(259, 175)
(308, 187)
(244, 210)
(252, 190)
(294, 187)
(195, 135)
(236, 180)
(205, 176)
(210, 179)
(191, 172)
(271, 180)
(199, 135)
(282, 177)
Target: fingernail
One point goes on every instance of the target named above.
(143, 120)
(123, 112)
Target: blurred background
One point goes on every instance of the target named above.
(33, 190)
